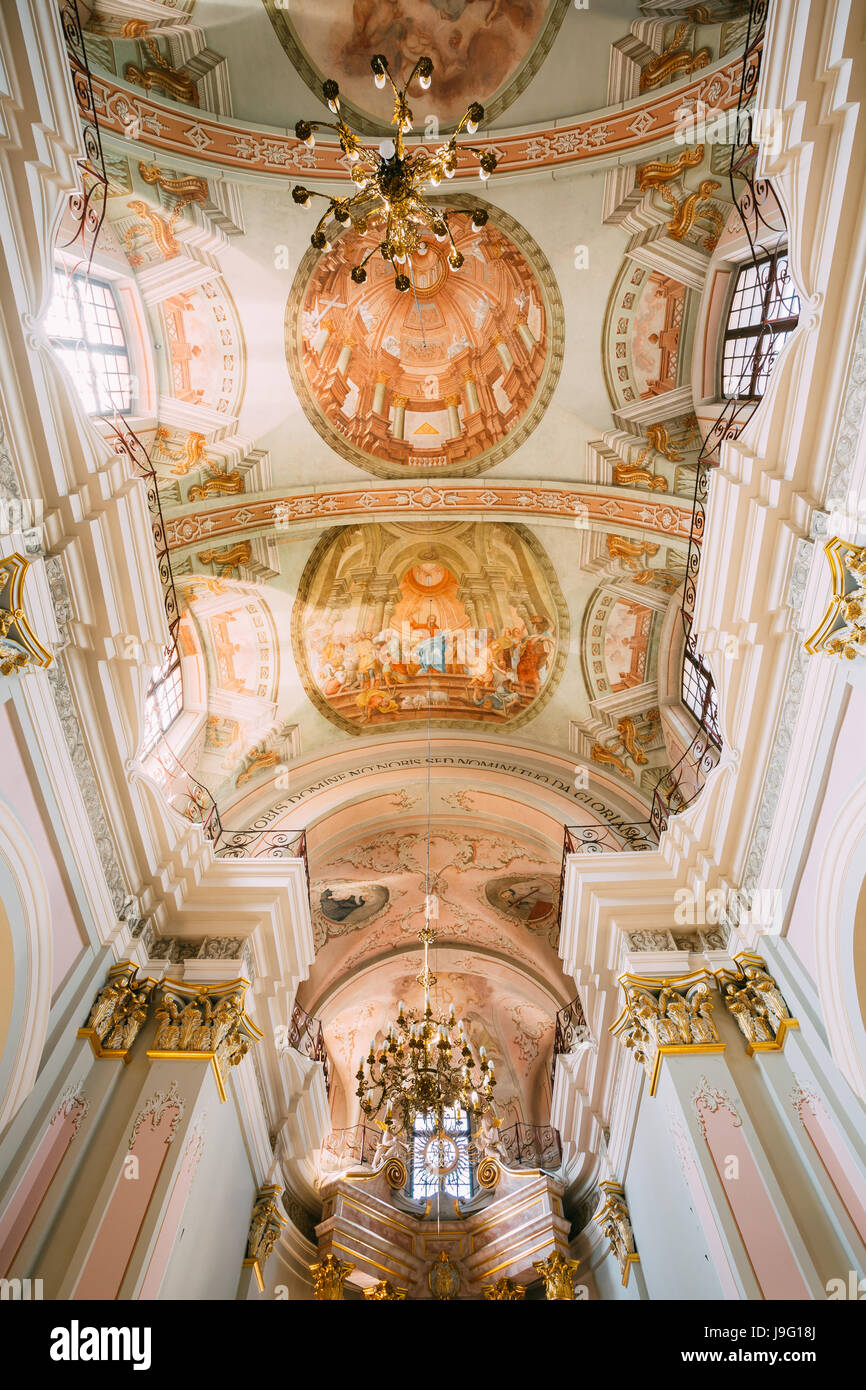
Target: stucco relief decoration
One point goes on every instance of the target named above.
(465, 621)
(453, 376)
(155, 1108)
(483, 50)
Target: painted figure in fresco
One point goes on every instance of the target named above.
(337, 909)
(531, 899)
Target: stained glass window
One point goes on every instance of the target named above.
(763, 315)
(87, 335)
(440, 1159)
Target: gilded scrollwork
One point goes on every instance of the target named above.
(558, 1274)
(119, 1011)
(19, 646)
(204, 1022)
(615, 1222)
(265, 1226)
(751, 995)
(329, 1276)
(667, 1016)
(503, 1289)
(842, 631)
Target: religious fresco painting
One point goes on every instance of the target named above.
(458, 622)
(482, 50)
(529, 899)
(346, 906)
(453, 376)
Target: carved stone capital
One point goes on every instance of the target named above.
(266, 1223)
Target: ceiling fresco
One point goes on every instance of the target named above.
(454, 375)
(482, 50)
(428, 547)
(465, 622)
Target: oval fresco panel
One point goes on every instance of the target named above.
(482, 50)
(451, 378)
(465, 622)
(530, 899)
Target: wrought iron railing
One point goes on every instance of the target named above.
(570, 1032)
(88, 205)
(307, 1037)
(762, 217)
(191, 797)
(532, 1146)
(355, 1144)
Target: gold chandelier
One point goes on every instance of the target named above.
(425, 1065)
(390, 182)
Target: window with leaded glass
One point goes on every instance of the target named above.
(764, 311)
(86, 332)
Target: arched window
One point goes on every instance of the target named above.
(440, 1161)
(699, 694)
(163, 703)
(764, 311)
(87, 334)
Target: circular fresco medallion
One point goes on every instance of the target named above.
(482, 50)
(346, 906)
(392, 624)
(451, 378)
(530, 899)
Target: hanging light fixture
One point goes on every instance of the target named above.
(391, 183)
(426, 1064)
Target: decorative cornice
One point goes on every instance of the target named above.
(189, 136)
(575, 505)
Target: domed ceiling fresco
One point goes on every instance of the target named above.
(428, 547)
(453, 375)
(482, 50)
(395, 622)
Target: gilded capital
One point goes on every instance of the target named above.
(204, 1023)
(266, 1223)
(667, 1016)
(504, 1289)
(615, 1222)
(384, 1290)
(752, 996)
(329, 1276)
(842, 631)
(559, 1275)
(118, 1011)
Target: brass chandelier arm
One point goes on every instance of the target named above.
(392, 180)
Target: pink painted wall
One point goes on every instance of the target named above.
(21, 791)
(27, 1198)
(171, 1221)
(833, 1153)
(112, 1249)
(770, 1254)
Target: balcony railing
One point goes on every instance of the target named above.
(571, 1030)
(354, 1145)
(306, 1037)
(532, 1146)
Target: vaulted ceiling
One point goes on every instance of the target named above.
(445, 530)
